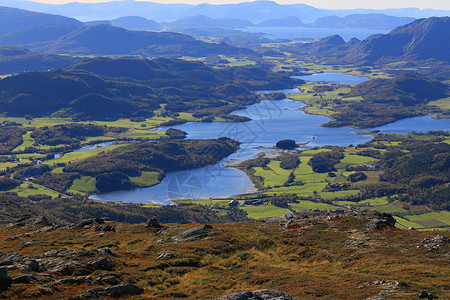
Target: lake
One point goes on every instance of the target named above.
(272, 120)
(333, 77)
(313, 33)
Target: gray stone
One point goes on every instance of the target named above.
(5, 280)
(25, 279)
(124, 289)
(111, 280)
(75, 280)
(102, 263)
(194, 233)
(153, 223)
(256, 295)
(104, 228)
(166, 255)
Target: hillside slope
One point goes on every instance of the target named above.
(108, 40)
(17, 59)
(112, 88)
(329, 257)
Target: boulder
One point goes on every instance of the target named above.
(25, 279)
(111, 280)
(5, 280)
(75, 280)
(380, 220)
(42, 221)
(256, 295)
(166, 255)
(194, 233)
(104, 228)
(435, 243)
(102, 263)
(31, 265)
(124, 289)
(152, 223)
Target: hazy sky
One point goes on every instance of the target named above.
(331, 4)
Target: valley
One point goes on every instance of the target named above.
(193, 151)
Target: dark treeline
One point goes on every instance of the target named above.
(324, 161)
(10, 138)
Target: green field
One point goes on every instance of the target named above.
(381, 201)
(407, 223)
(80, 155)
(85, 184)
(26, 189)
(354, 159)
(338, 194)
(431, 219)
(274, 175)
(264, 211)
(305, 205)
(146, 179)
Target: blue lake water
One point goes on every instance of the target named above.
(334, 78)
(313, 33)
(272, 120)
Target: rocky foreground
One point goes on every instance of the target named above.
(353, 256)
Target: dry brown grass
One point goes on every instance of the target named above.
(315, 258)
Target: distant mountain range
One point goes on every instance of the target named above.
(256, 11)
(369, 21)
(422, 39)
(110, 40)
(16, 60)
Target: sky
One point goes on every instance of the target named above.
(330, 4)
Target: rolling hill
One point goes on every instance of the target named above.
(13, 19)
(109, 40)
(111, 88)
(15, 59)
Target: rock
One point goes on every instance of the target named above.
(75, 280)
(92, 293)
(124, 289)
(106, 251)
(104, 228)
(152, 223)
(5, 280)
(31, 265)
(87, 222)
(102, 263)
(256, 295)
(28, 244)
(64, 268)
(193, 234)
(380, 220)
(166, 255)
(425, 295)
(25, 279)
(112, 280)
(435, 243)
(43, 222)
(21, 222)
